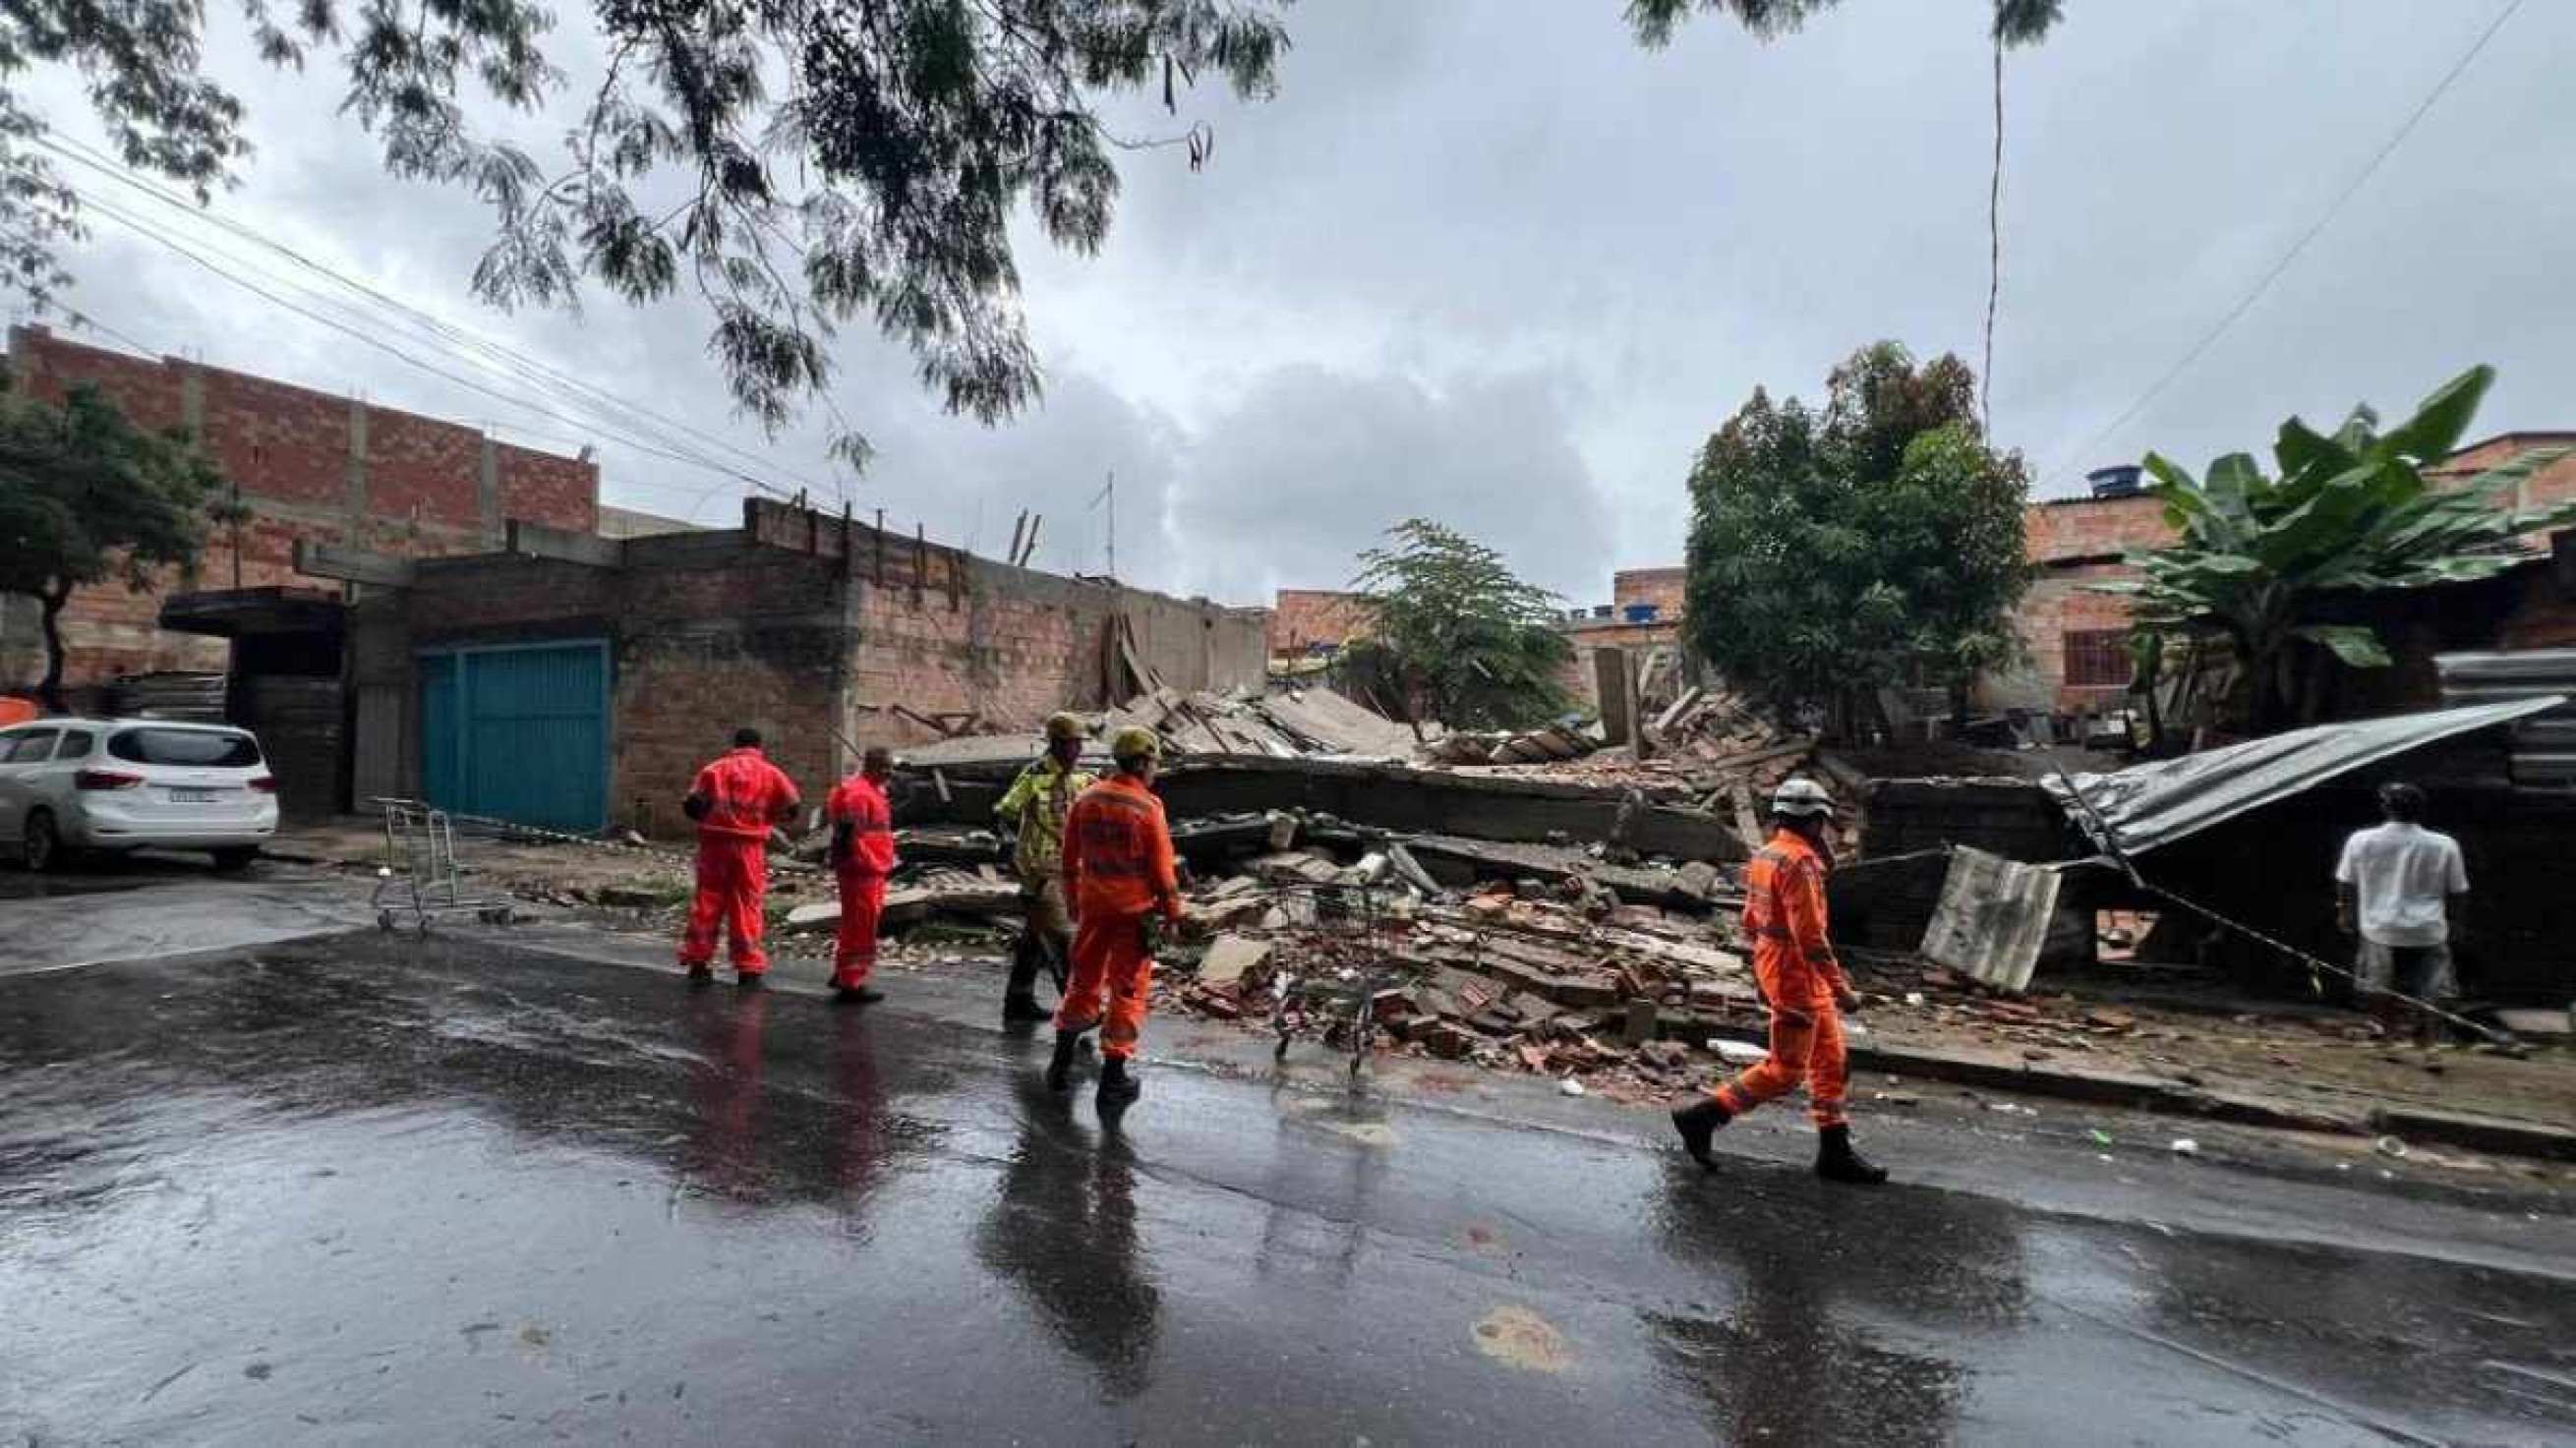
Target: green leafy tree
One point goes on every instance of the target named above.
(1458, 636)
(86, 496)
(2017, 22)
(1837, 550)
(2268, 569)
(796, 163)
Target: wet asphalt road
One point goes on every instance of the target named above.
(376, 1191)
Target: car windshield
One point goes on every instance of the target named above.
(203, 748)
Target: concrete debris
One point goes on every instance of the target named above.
(1230, 958)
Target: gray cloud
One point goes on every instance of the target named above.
(1490, 262)
(1310, 466)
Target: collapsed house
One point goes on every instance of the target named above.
(2247, 834)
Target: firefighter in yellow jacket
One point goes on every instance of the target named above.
(1802, 984)
(1034, 811)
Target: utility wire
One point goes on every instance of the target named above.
(2263, 285)
(504, 360)
(152, 233)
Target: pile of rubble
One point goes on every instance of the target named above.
(1562, 979)
(1708, 750)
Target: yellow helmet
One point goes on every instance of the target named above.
(1135, 742)
(1065, 726)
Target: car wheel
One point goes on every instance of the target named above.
(44, 842)
(237, 858)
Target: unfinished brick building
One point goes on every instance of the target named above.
(575, 681)
(308, 465)
(2078, 639)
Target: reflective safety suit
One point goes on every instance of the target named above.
(1118, 870)
(1037, 805)
(1793, 963)
(742, 795)
(862, 856)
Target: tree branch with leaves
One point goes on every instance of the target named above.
(833, 160)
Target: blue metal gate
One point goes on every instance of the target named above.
(518, 733)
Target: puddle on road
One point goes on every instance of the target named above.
(1517, 1337)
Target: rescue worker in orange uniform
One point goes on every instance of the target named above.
(1802, 984)
(862, 855)
(1120, 875)
(735, 800)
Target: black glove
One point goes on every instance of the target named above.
(838, 851)
(695, 806)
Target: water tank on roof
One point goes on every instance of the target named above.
(2124, 481)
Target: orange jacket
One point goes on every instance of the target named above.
(1784, 917)
(860, 803)
(745, 795)
(1118, 852)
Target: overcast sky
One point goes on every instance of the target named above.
(1489, 262)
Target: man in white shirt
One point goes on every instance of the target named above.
(2396, 887)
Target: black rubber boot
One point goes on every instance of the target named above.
(1059, 1072)
(1118, 1090)
(1697, 1123)
(1837, 1162)
(1022, 1009)
(857, 995)
(702, 975)
(751, 979)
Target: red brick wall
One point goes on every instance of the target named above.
(271, 439)
(289, 451)
(1662, 587)
(2552, 486)
(422, 469)
(2069, 528)
(1303, 616)
(559, 492)
(2056, 605)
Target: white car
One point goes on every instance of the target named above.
(123, 784)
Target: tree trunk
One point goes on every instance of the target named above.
(49, 691)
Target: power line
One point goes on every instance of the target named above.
(518, 366)
(148, 231)
(2299, 247)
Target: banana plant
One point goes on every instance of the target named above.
(2269, 564)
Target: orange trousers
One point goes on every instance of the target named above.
(1108, 957)
(854, 951)
(733, 877)
(1806, 1045)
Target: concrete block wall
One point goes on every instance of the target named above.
(705, 635)
(308, 464)
(941, 631)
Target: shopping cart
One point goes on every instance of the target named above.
(421, 878)
(1339, 970)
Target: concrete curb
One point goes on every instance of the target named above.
(2008, 1071)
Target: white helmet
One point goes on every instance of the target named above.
(1801, 796)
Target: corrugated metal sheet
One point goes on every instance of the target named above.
(2153, 804)
(2544, 746)
(518, 732)
(1993, 919)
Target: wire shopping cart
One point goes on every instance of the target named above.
(421, 877)
(1339, 970)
